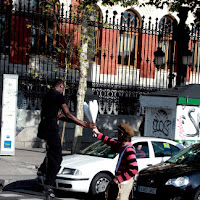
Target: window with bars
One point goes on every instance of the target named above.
(4, 26)
(42, 37)
(166, 24)
(196, 57)
(2, 32)
(97, 36)
(165, 39)
(128, 39)
(44, 28)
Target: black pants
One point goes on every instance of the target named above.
(51, 163)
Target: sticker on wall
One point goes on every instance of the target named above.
(7, 144)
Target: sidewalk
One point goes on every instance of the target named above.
(22, 166)
(19, 171)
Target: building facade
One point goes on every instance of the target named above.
(40, 46)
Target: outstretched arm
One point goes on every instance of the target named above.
(107, 140)
(71, 118)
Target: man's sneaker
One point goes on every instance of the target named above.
(49, 191)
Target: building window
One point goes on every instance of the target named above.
(196, 56)
(194, 45)
(42, 37)
(165, 39)
(2, 32)
(4, 26)
(128, 39)
(166, 24)
(97, 36)
(44, 28)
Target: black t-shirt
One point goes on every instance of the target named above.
(51, 104)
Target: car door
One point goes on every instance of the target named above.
(143, 154)
(163, 151)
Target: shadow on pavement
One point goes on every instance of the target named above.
(31, 184)
(33, 187)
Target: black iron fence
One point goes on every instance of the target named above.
(40, 46)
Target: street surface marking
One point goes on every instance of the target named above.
(31, 199)
(10, 195)
(67, 199)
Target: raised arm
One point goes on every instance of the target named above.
(107, 140)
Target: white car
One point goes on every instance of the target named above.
(93, 168)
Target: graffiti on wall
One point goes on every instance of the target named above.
(180, 128)
(161, 123)
(188, 122)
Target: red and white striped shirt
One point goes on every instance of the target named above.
(128, 167)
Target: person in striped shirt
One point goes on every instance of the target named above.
(128, 166)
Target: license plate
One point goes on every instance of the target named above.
(148, 190)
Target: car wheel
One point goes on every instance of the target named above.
(99, 183)
(197, 195)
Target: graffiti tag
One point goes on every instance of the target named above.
(161, 123)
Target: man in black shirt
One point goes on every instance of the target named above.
(48, 130)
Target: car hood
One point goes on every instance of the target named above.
(78, 161)
(169, 170)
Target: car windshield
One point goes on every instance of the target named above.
(99, 149)
(190, 155)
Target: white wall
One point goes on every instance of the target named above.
(27, 123)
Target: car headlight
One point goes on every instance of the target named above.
(68, 171)
(178, 182)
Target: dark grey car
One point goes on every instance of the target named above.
(176, 179)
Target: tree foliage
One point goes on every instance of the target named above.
(123, 3)
(179, 5)
(175, 5)
(84, 13)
